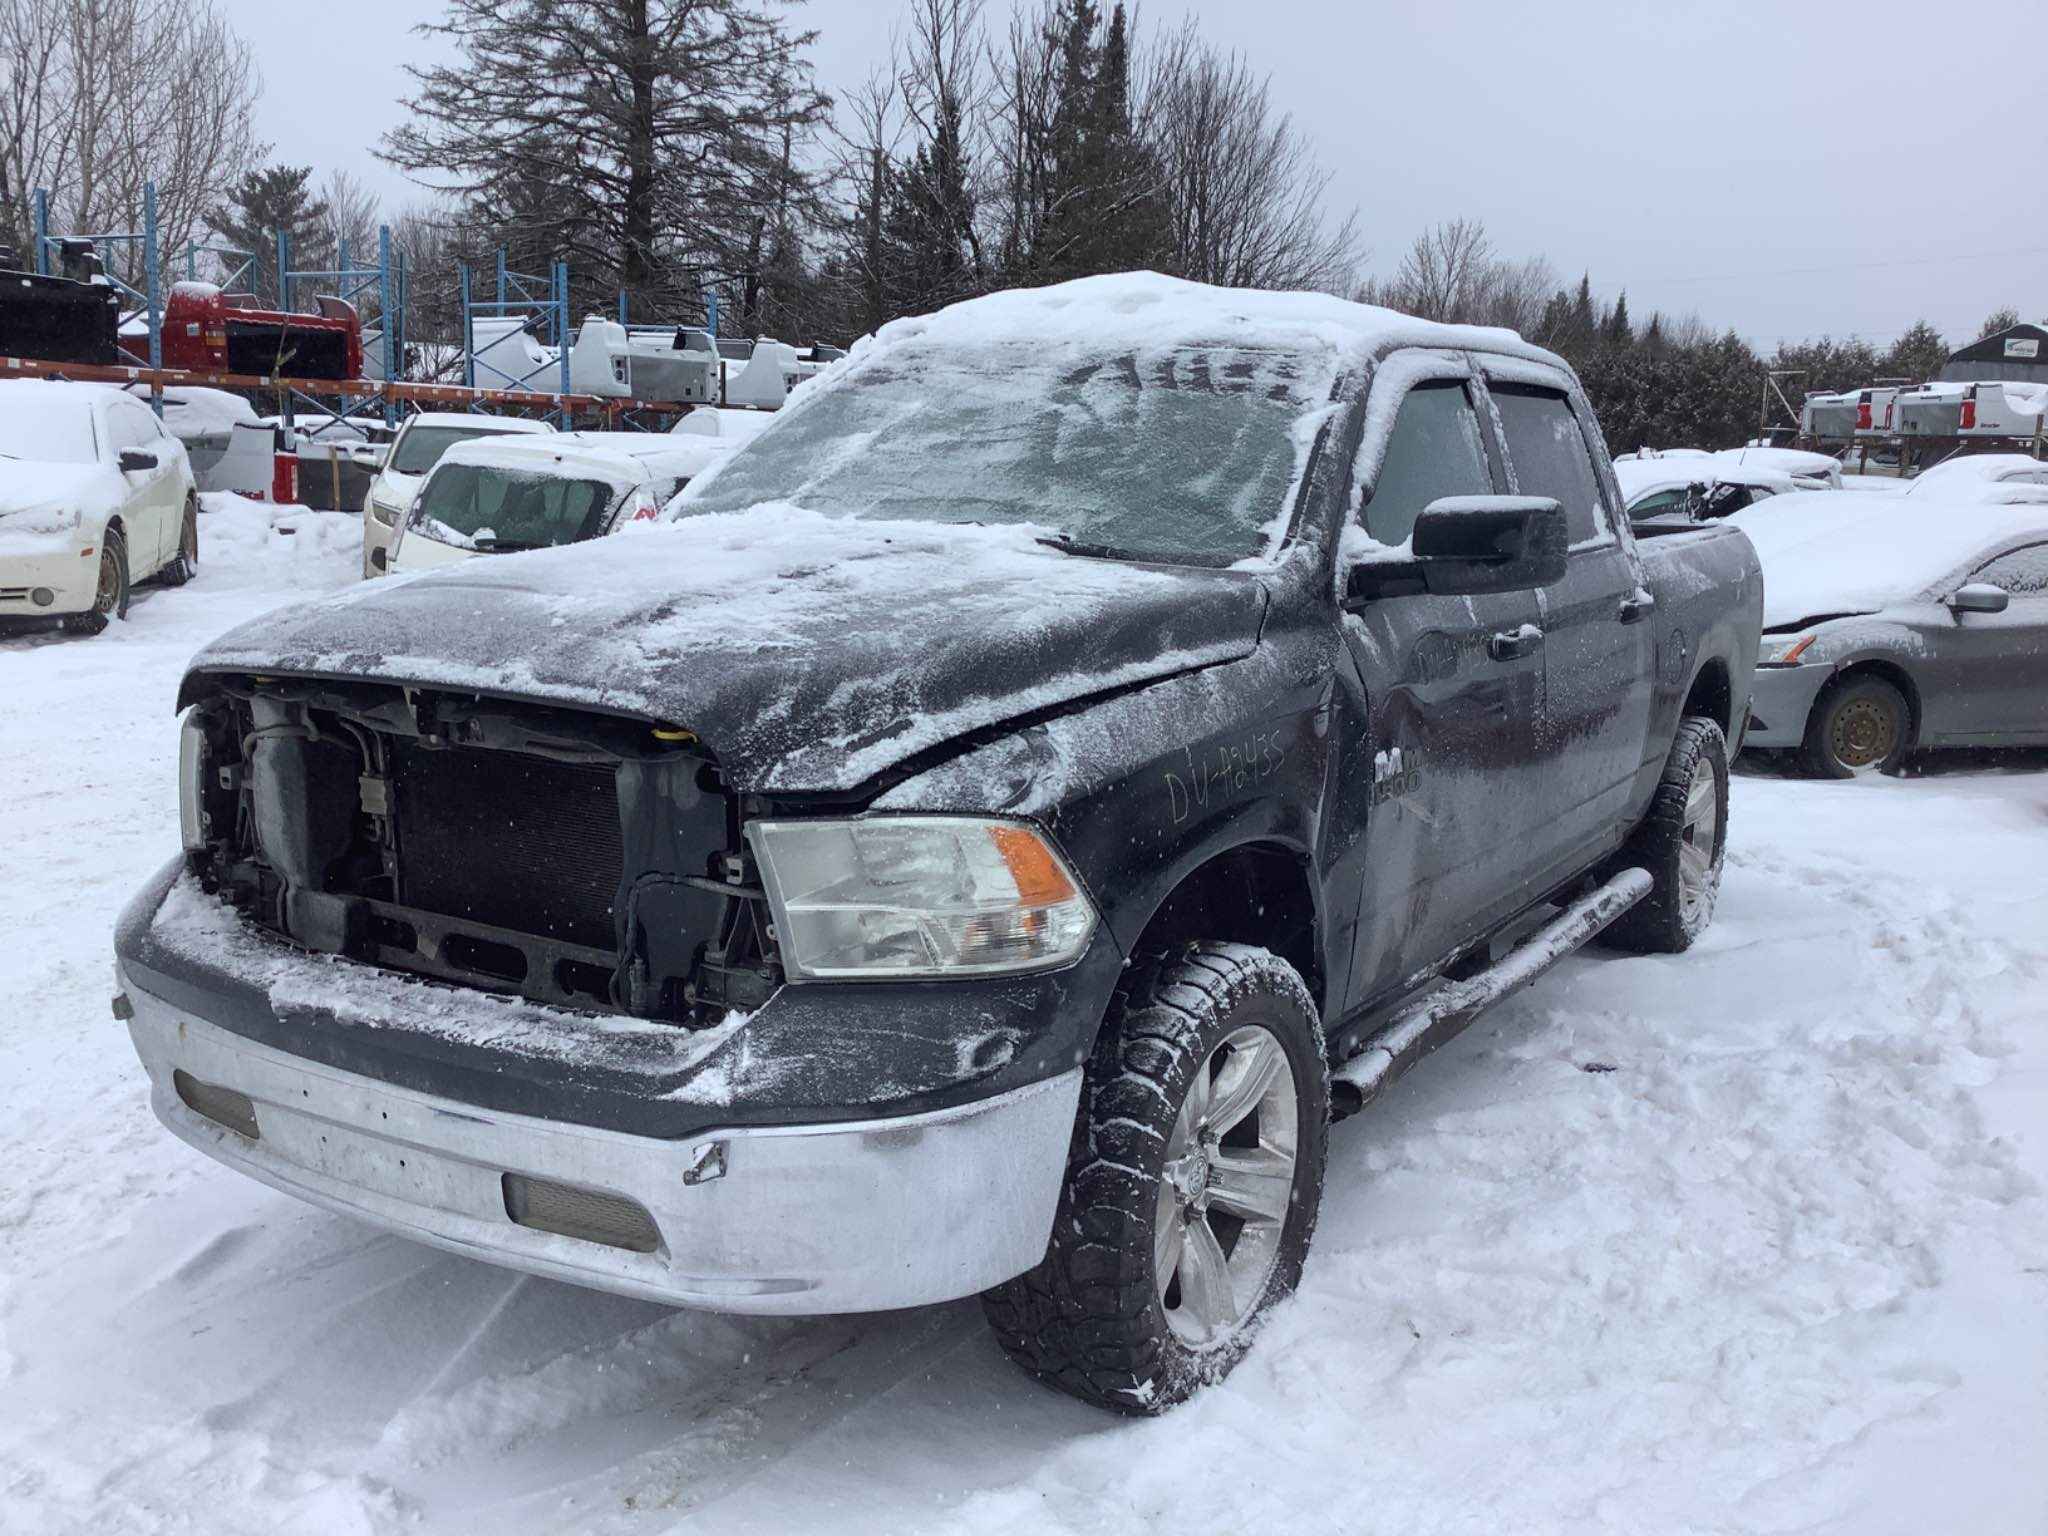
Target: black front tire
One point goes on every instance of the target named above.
(185, 564)
(1860, 724)
(1188, 1030)
(111, 599)
(1681, 842)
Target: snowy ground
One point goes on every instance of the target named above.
(1749, 1240)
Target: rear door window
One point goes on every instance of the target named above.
(2021, 572)
(1551, 457)
(1434, 450)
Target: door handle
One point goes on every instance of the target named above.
(1508, 644)
(1637, 606)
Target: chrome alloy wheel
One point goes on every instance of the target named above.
(1226, 1188)
(1696, 840)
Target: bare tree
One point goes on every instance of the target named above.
(1441, 275)
(99, 97)
(1247, 200)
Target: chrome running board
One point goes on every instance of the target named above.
(1425, 1025)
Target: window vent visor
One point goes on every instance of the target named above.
(223, 1106)
(580, 1213)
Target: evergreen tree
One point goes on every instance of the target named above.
(263, 204)
(1652, 340)
(1918, 354)
(1616, 334)
(1584, 324)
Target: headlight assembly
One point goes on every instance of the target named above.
(1784, 653)
(192, 765)
(384, 512)
(900, 896)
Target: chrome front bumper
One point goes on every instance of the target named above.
(849, 1217)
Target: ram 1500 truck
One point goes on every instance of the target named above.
(1090, 741)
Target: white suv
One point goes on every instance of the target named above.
(416, 450)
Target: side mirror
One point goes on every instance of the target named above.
(1978, 597)
(136, 460)
(1466, 545)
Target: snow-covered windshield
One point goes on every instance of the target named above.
(477, 506)
(60, 432)
(423, 446)
(1184, 454)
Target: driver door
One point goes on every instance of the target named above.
(1453, 688)
(1986, 674)
(144, 515)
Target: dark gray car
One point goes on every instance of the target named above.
(1896, 624)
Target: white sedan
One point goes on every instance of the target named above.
(2006, 478)
(94, 496)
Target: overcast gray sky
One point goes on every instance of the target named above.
(1786, 169)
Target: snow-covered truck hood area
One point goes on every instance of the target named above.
(808, 653)
(1826, 553)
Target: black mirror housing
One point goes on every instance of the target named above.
(135, 460)
(1467, 545)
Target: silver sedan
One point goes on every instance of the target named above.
(1897, 625)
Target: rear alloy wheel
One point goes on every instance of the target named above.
(185, 564)
(1860, 724)
(1192, 1187)
(1681, 843)
(110, 597)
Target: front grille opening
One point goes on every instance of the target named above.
(566, 1211)
(486, 957)
(223, 1106)
(578, 978)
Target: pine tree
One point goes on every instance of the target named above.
(263, 204)
(1616, 335)
(1918, 354)
(1652, 340)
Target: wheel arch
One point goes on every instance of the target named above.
(1259, 891)
(1712, 694)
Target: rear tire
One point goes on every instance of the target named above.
(110, 600)
(185, 564)
(1192, 1187)
(1681, 843)
(1859, 724)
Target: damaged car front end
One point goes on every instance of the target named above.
(516, 980)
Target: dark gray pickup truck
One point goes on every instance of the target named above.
(1090, 741)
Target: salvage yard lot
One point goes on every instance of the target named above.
(1748, 1239)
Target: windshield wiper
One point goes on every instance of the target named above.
(503, 546)
(1066, 543)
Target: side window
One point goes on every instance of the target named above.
(1663, 501)
(1550, 455)
(1434, 450)
(2022, 572)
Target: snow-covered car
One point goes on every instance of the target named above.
(1674, 488)
(417, 449)
(1990, 477)
(1811, 471)
(95, 496)
(203, 420)
(1898, 624)
(503, 495)
(975, 846)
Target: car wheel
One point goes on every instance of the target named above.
(1860, 724)
(1192, 1187)
(185, 564)
(1681, 843)
(110, 598)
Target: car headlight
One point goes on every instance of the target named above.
(192, 764)
(1784, 653)
(895, 896)
(385, 512)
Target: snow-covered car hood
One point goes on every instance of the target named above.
(809, 653)
(40, 499)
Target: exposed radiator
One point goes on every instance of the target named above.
(512, 841)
